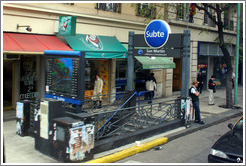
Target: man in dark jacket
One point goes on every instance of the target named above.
(200, 80)
(211, 90)
(195, 101)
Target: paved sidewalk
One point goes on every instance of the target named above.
(21, 149)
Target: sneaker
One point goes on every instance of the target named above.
(201, 122)
(196, 121)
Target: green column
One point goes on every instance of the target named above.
(237, 54)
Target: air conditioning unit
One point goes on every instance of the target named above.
(11, 57)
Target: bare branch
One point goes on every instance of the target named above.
(207, 12)
(225, 8)
(210, 6)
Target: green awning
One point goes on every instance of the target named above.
(155, 62)
(97, 46)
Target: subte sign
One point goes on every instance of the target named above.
(157, 33)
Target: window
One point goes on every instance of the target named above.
(112, 7)
(146, 10)
(228, 22)
(213, 49)
(121, 68)
(183, 11)
(205, 21)
(91, 69)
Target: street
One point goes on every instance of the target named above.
(192, 148)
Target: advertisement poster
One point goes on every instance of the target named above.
(81, 141)
(19, 110)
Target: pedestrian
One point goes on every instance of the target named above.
(200, 80)
(211, 90)
(151, 87)
(97, 92)
(194, 94)
(233, 79)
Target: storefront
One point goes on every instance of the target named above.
(211, 62)
(101, 54)
(23, 70)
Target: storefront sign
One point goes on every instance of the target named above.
(172, 47)
(157, 52)
(157, 33)
(67, 26)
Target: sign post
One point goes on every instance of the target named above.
(130, 63)
(185, 65)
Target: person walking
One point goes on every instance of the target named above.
(200, 80)
(97, 92)
(151, 87)
(194, 94)
(211, 90)
(233, 79)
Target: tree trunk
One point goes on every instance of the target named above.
(223, 48)
(229, 103)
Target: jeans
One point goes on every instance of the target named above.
(196, 106)
(149, 95)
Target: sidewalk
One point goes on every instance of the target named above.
(21, 149)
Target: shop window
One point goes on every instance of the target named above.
(112, 7)
(121, 67)
(91, 69)
(28, 79)
(121, 74)
(146, 10)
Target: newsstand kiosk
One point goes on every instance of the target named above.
(59, 135)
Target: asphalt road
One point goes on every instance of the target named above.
(192, 148)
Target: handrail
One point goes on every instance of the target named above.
(117, 111)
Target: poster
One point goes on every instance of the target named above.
(81, 141)
(19, 110)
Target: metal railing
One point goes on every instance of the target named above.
(111, 101)
(131, 119)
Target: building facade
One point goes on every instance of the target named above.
(24, 67)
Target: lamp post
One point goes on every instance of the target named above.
(237, 54)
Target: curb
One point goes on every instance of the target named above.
(148, 145)
(130, 151)
(192, 130)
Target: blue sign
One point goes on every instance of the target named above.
(140, 52)
(157, 33)
(64, 99)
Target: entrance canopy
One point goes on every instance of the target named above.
(155, 62)
(97, 46)
(29, 43)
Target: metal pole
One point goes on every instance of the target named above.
(237, 54)
(185, 65)
(130, 63)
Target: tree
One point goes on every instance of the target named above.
(219, 9)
